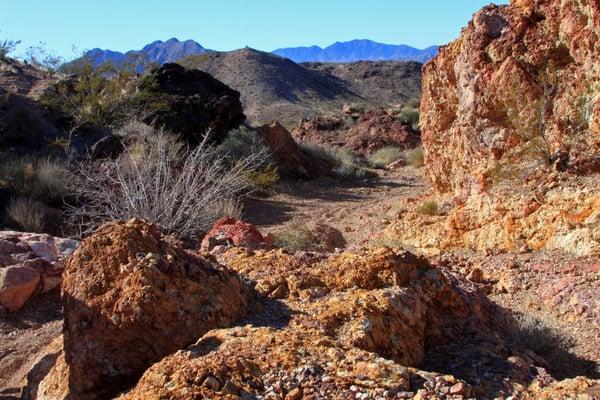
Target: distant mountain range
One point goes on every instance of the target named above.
(358, 50)
(157, 52)
(355, 50)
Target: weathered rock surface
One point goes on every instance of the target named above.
(30, 263)
(564, 218)
(518, 90)
(17, 284)
(130, 298)
(377, 129)
(291, 161)
(231, 232)
(353, 325)
(371, 131)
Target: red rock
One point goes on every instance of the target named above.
(291, 161)
(377, 129)
(229, 231)
(484, 95)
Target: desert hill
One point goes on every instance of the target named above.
(276, 88)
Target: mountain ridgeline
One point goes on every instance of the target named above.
(160, 52)
(358, 50)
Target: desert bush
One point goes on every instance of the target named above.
(52, 182)
(7, 46)
(27, 214)
(295, 237)
(409, 116)
(415, 157)
(345, 163)
(240, 143)
(430, 207)
(45, 180)
(23, 125)
(385, 156)
(183, 196)
(262, 181)
(537, 335)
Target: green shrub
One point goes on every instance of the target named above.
(385, 156)
(415, 157)
(429, 207)
(344, 163)
(241, 143)
(409, 116)
(295, 238)
(30, 215)
(262, 181)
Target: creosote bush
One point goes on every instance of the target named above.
(385, 156)
(345, 163)
(415, 157)
(295, 237)
(182, 196)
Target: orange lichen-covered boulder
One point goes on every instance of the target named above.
(131, 297)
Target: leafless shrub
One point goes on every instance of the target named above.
(182, 195)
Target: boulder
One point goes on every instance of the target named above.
(130, 297)
(188, 102)
(516, 92)
(41, 252)
(291, 161)
(17, 284)
(376, 129)
(110, 146)
(231, 232)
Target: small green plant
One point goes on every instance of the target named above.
(30, 215)
(415, 157)
(241, 143)
(345, 163)
(295, 237)
(410, 116)
(385, 156)
(262, 182)
(429, 207)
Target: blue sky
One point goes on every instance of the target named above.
(230, 24)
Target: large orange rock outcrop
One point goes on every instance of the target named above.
(519, 90)
(130, 298)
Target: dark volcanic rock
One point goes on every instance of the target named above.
(188, 102)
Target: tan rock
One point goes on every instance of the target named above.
(17, 284)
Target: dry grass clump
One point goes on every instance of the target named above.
(415, 157)
(29, 215)
(430, 207)
(182, 195)
(345, 163)
(385, 156)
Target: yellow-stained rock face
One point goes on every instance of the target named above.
(564, 218)
(519, 90)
